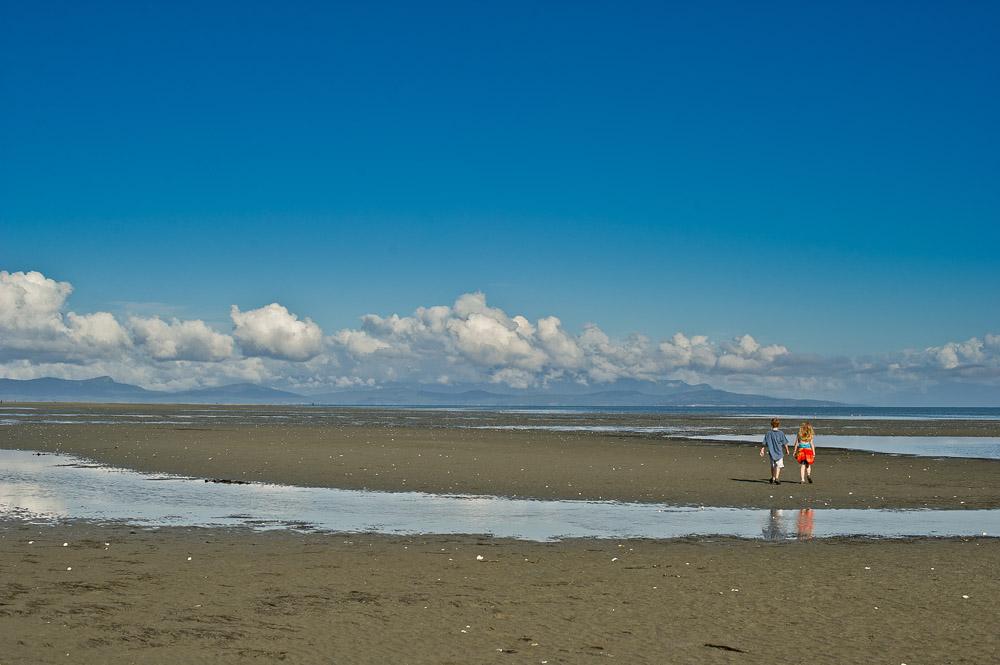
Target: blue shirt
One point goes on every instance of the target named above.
(774, 440)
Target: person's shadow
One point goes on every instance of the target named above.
(749, 480)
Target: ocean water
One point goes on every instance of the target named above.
(814, 412)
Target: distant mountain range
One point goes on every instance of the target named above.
(626, 392)
(106, 389)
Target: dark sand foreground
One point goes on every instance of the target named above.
(270, 597)
(320, 598)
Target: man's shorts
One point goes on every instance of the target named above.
(778, 463)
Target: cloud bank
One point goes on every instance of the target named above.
(469, 341)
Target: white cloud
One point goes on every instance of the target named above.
(494, 346)
(359, 343)
(683, 351)
(561, 347)
(487, 340)
(99, 331)
(745, 354)
(275, 332)
(181, 340)
(32, 320)
(954, 354)
(608, 360)
(514, 378)
(468, 341)
(31, 302)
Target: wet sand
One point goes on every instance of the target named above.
(525, 463)
(312, 598)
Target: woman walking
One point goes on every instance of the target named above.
(805, 451)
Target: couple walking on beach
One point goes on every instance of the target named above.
(805, 450)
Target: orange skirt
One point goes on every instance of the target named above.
(805, 456)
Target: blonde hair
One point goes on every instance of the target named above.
(806, 432)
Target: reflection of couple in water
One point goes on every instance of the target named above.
(805, 451)
(774, 529)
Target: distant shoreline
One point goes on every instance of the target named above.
(763, 411)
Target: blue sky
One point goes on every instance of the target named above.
(822, 177)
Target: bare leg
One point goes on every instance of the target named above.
(802, 472)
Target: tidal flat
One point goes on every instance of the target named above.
(452, 452)
(114, 593)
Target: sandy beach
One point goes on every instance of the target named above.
(115, 594)
(218, 596)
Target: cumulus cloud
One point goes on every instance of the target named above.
(39, 337)
(31, 302)
(955, 354)
(275, 332)
(181, 340)
(469, 341)
(473, 341)
(99, 330)
(683, 351)
(359, 343)
(498, 347)
(32, 319)
(744, 354)
(562, 347)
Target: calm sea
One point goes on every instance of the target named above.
(817, 412)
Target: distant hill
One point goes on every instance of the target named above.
(105, 389)
(673, 393)
(626, 392)
(238, 393)
(101, 389)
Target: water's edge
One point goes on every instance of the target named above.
(50, 488)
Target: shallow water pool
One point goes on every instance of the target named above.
(45, 488)
(979, 447)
